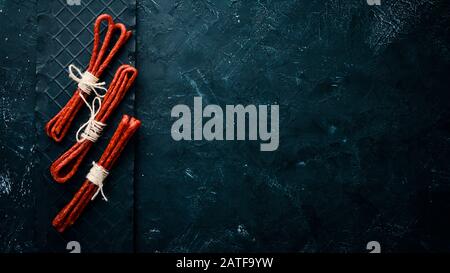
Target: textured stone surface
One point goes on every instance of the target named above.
(363, 95)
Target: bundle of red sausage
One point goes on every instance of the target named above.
(58, 126)
(70, 213)
(65, 167)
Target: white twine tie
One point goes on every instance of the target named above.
(86, 81)
(92, 128)
(97, 174)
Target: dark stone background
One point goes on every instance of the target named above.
(364, 126)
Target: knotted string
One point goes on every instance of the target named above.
(89, 83)
(97, 174)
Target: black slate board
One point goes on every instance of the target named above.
(364, 139)
(65, 36)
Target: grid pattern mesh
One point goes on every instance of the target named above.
(65, 36)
